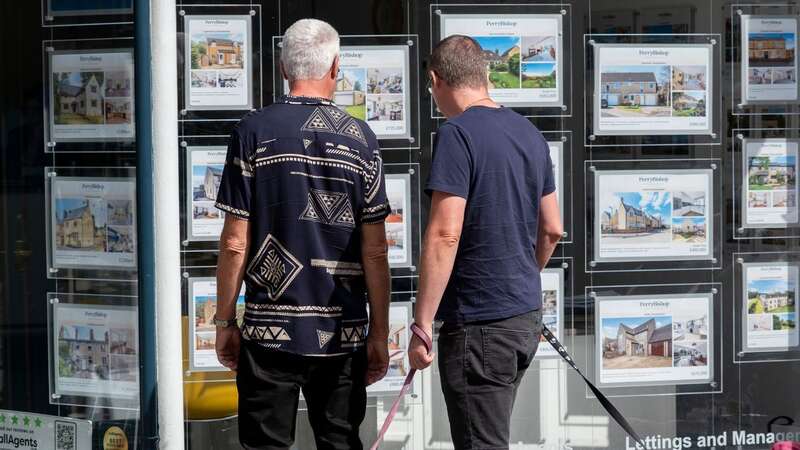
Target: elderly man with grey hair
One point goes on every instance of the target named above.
(305, 202)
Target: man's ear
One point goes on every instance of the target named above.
(283, 72)
(335, 68)
(435, 80)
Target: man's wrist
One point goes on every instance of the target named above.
(224, 323)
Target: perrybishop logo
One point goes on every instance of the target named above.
(653, 52)
(655, 179)
(350, 54)
(654, 304)
(92, 187)
(500, 23)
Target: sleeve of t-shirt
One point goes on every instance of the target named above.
(549, 182)
(375, 203)
(451, 168)
(235, 193)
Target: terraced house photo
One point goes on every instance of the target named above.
(637, 218)
(635, 91)
(771, 49)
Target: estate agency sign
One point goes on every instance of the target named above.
(23, 431)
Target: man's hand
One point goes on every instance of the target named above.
(229, 339)
(418, 354)
(377, 359)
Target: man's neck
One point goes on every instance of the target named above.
(468, 97)
(311, 88)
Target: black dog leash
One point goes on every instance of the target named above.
(609, 407)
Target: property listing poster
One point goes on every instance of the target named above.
(218, 72)
(769, 194)
(399, 326)
(657, 89)
(373, 85)
(398, 223)
(523, 52)
(770, 307)
(204, 165)
(96, 350)
(557, 158)
(769, 62)
(552, 302)
(654, 339)
(653, 215)
(91, 96)
(92, 223)
(202, 332)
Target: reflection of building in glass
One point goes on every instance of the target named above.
(624, 218)
(629, 88)
(643, 340)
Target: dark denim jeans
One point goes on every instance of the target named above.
(269, 384)
(481, 365)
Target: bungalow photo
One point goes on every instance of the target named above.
(689, 104)
(78, 98)
(350, 94)
(758, 200)
(785, 321)
(83, 351)
(770, 296)
(204, 78)
(689, 204)
(689, 78)
(539, 75)
(502, 55)
(636, 218)
(775, 172)
(539, 49)
(690, 329)
(689, 230)
(81, 224)
(759, 322)
(385, 107)
(385, 81)
(637, 342)
(549, 302)
(217, 50)
(635, 91)
(770, 49)
(690, 354)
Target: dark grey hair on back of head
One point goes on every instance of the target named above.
(459, 61)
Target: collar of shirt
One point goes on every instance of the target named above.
(300, 100)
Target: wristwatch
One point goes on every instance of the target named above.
(224, 323)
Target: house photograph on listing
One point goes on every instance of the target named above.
(637, 342)
(78, 98)
(635, 91)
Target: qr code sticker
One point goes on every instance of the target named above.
(65, 435)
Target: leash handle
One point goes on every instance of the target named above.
(609, 407)
(428, 341)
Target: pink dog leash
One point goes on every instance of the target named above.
(420, 333)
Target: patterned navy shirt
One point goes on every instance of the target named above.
(306, 175)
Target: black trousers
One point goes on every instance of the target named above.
(269, 384)
(481, 365)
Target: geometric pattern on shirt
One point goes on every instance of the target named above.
(338, 267)
(268, 333)
(324, 337)
(333, 120)
(274, 268)
(329, 207)
(306, 142)
(256, 311)
(373, 176)
(354, 336)
(232, 210)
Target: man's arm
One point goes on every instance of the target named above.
(234, 245)
(375, 260)
(438, 257)
(550, 229)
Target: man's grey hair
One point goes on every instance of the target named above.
(309, 48)
(459, 61)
